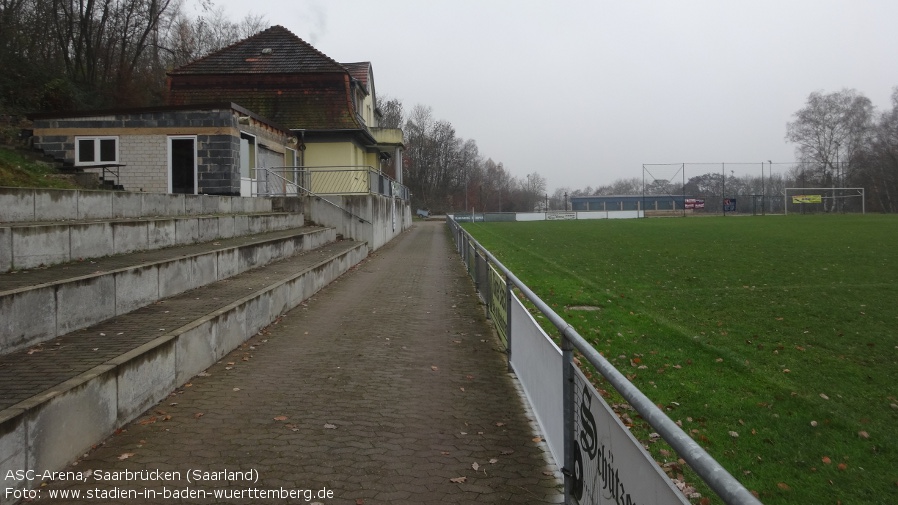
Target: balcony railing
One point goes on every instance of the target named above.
(325, 181)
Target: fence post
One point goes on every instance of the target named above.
(488, 289)
(567, 392)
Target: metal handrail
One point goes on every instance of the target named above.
(302, 190)
(716, 476)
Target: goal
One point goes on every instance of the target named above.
(818, 200)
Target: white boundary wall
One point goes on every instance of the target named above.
(543, 216)
(536, 361)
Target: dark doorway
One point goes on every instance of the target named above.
(182, 161)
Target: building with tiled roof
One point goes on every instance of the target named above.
(331, 106)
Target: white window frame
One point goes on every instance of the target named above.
(96, 154)
(253, 153)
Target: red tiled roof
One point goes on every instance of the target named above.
(275, 74)
(359, 71)
(275, 50)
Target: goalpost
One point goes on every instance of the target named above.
(824, 200)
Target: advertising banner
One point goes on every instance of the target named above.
(560, 215)
(729, 205)
(695, 203)
(807, 199)
(610, 465)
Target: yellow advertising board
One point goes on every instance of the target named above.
(807, 199)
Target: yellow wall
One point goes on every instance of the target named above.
(336, 154)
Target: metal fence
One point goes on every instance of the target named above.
(601, 460)
(325, 181)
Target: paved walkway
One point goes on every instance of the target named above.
(385, 388)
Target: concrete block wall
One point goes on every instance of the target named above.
(49, 431)
(386, 217)
(146, 157)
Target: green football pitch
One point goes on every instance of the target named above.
(772, 340)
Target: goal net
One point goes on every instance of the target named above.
(822, 200)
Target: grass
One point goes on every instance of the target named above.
(779, 329)
(18, 170)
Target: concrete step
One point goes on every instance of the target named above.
(39, 205)
(36, 244)
(59, 398)
(41, 304)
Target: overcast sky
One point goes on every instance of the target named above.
(586, 92)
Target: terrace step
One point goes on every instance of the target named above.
(60, 397)
(41, 304)
(41, 205)
(30, 245)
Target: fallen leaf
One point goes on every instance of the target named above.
(826, 460)
(198, 415)
(824, 396)
(126, 455)
(358, 501)
(330, 426)
(236, 389)
(459, 480)
(434, 368)
(734, 434)
(280, 418)
(493, 461)
(783, 486)
(475, 466)
(843, 467)
(537, 439)
(863, 434)
(500, 424)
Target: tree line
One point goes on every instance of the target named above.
(85, 54)
(445, 172)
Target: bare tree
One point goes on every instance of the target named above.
(391, 112)
(830, 132)
(879, 161)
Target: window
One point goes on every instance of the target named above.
(96, 150)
